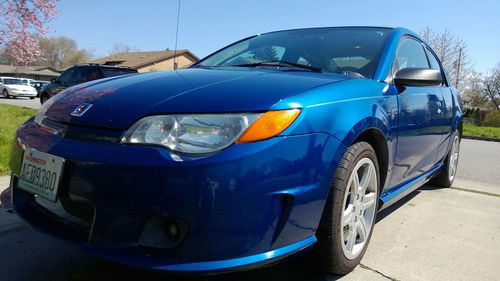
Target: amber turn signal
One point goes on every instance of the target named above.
(269, 125)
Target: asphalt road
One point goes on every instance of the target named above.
(432, 234)
(24, 102)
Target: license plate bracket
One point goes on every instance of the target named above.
(41, 174)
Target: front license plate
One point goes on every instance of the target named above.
(41, 174)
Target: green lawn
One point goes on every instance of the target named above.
(480, 131)
(11, 117)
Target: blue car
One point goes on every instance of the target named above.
(271, 145)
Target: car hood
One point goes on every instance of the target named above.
(120, 101)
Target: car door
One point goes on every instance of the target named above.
(420, 116)
(445, 106)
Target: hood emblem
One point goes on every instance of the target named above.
(81, 109)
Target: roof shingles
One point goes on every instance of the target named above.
(141, 59)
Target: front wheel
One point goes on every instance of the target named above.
(448, 172)
(5, 94)
(43, 98)
(349, 216)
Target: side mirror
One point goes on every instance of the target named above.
(418, 77)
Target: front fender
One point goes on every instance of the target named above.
(345, 109)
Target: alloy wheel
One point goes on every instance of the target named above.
(454, 154)
(359, 208)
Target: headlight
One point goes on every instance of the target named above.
(194, 134)
(202, 134)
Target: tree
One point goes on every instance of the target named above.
(452, 52)
(490, 89)
(21, 24)
(120, 48)
(472, 95)
(61, 52)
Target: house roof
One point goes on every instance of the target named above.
(30, 70)
(141, 59)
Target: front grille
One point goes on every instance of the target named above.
(81, 132)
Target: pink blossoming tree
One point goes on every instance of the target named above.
(22, 23)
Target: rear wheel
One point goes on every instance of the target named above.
(5, 94)
(349, 216)
(448, 172)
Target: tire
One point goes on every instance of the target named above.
(446, 175)
(43, 98)
(341, 224)
(32, 98)
(5, 94)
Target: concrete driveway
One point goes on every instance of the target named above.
(432, 234)
(24, 102)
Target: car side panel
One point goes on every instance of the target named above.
(420, 118)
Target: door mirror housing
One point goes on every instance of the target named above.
(418, 77)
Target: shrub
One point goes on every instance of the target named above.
(492, 119)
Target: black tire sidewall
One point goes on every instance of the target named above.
(333, 256)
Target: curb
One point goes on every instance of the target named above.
(480, 138)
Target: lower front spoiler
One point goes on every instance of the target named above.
(211, 267)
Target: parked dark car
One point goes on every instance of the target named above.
(80, 74)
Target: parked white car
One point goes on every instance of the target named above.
(27, 81)
(11, 87)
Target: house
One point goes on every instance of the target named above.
(150, 61)
(42, 73)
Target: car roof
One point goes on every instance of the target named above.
(331, 27)
(103, 65)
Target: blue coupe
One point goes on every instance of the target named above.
(276, 143)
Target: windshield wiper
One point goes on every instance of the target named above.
(279, 63)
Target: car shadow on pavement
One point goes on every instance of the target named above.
(398, 204)
(297, 268)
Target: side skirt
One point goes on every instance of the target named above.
(394, 194)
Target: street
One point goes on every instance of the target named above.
(431, 234)
(24, 102)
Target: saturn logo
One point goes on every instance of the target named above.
(81, 109)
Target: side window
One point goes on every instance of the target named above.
(65, 76)
(78, 76)
(410, 54)
(94, 73)
(432, 60)
(434, 63)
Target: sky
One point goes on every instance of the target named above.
(206, 26)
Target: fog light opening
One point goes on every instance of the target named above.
(173, 231)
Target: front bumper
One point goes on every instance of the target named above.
(22, 94)
(245, 206)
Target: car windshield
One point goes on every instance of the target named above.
(12, 82)
(349, 51)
